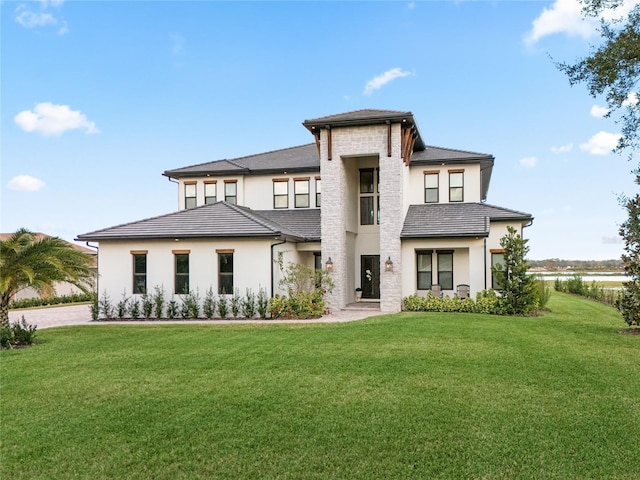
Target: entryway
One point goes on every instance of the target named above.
(370, 276)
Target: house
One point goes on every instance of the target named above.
(59, 288)
(367, 199)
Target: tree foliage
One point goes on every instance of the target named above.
(29, 261)
(518, 289)
(629, 303)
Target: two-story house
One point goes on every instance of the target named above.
(368, 200)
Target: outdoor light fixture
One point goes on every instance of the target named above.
(329, 265)
(388, 265)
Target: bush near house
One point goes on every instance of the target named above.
(576, 286)
(57, 300)
(17, 334)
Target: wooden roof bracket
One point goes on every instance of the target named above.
(408, 140)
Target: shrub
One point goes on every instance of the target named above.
(263, 303)
(56, 300)
(542, 291)
(235, 303)
(147, 306)
(249, 304)
(158, 301)
(18, 334)
(105, 306)
(191, 305)
(223, 306)
(172, 308)
(209, 304)
(95, 307)
(134, 309)
(305, 292)
(123, 305)
(486, 301)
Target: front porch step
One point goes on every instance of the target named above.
(362, 306)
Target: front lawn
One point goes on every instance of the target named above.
(401, 396)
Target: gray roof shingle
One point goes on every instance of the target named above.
(456, 219)
(220, 219)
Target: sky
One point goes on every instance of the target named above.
(98, 98)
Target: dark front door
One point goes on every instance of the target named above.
(370, 276)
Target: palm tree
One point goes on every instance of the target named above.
(29, 261)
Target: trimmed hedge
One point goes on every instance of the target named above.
(486, 302)
(58, 300)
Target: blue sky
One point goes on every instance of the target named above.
(99, 98)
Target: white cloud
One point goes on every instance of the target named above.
(632, 99)
(562, 148)
(378, 82)
(25, 183)
(528, 162)
(49, 119)
(598, 111)
(612, 240)
(32, 19)
(177, 43)
(564, 16)
(602, 143)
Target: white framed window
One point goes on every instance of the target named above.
(281, 193)
(301, 192)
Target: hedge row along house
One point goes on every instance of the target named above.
(368, 200)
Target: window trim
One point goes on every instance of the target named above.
(219, 252)
(424, 253)
(435, 173)
(181, 275)
(296, 195)
(215, 197)
(194, 196)
(134, 289)
(285, 195)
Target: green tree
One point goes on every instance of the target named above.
(613, 70)
(518, 289)
(29, 261)
(629, 303)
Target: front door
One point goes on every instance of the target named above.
(370, 276)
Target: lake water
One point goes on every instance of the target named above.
(587, 278)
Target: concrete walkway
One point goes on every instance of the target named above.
(81, 315)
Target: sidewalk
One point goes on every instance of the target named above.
(81, 315)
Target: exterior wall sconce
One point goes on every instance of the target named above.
(388, 265)
(329, 265)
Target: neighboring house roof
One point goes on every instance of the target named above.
(303, 158)
(220, 219)
(456, 219)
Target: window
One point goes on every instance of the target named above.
(318, 191)
(445, 270)
(423, 267)
(301, 192)
(225, 272)
(182, 272)
(497, 258)
(367, 197)
(231, 191)
(189, 195)
(139, 272)
(456, 186)
(366, 210)
(431, 187)
(281, 193)
(210, 193)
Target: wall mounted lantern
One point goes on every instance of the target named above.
(329, 265)
(388, 265)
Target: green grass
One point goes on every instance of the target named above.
(402, 396)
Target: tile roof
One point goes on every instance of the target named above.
(358, 115)
(294, 159)
(437, 154)
(220, 219)
(456, 219)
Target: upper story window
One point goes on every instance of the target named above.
(181, 284)
(301, 192)
(318, 191)
(456, 185)
(210, 192)
(431, 184)
(281, 193)
(368, 195)
(139, 271)
(231, 191)
(190, 195)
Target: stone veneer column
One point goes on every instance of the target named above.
(333, 221)
(392, 171)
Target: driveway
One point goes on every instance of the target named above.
(60, 316)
